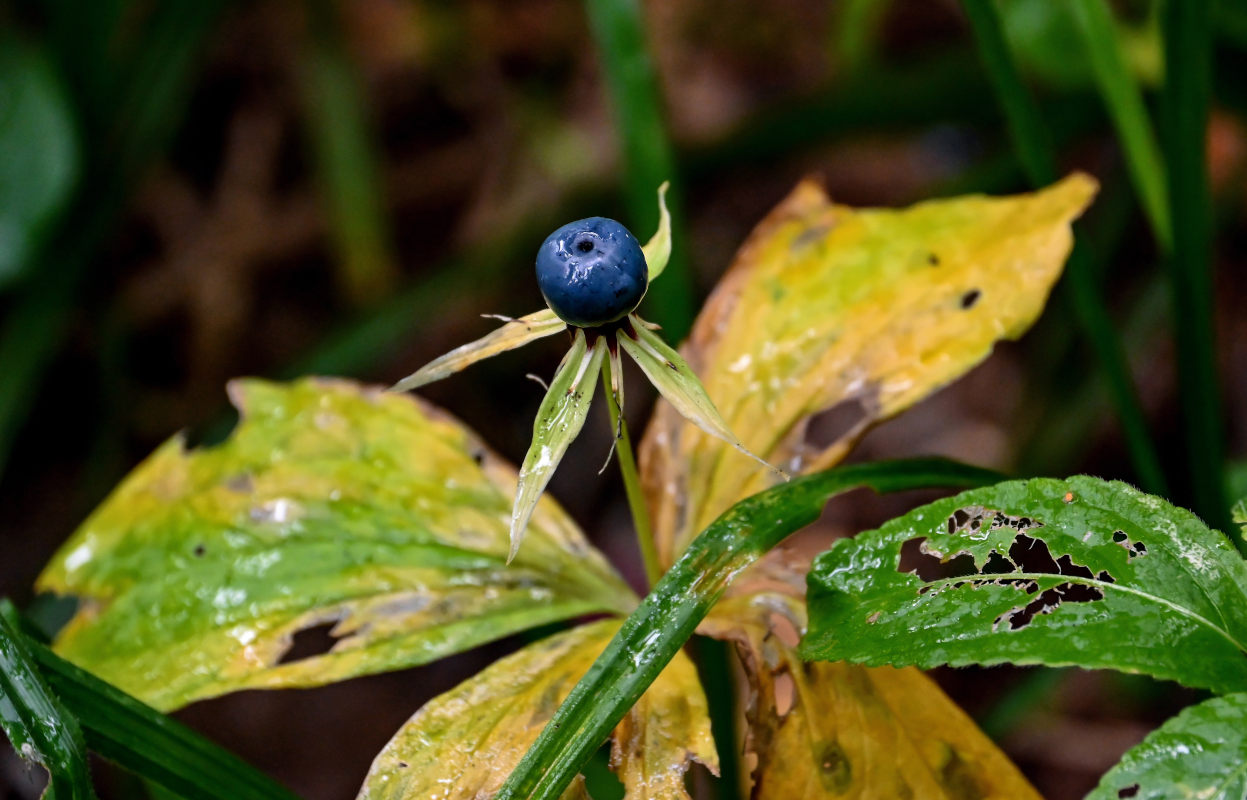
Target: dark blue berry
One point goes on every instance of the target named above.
(592, 272)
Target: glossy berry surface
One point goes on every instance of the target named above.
(592, 272)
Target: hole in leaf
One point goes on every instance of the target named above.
(785, 694)
(585, 245)
(837, 423)
(970, 298)
(310, 642)
(930, 565)
(1134, 549)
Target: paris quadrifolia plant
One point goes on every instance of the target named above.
(384, 531)
(593, 274)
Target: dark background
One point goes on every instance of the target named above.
(282, 188)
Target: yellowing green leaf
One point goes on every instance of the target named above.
(329, 505)
(847, 731)
(869, 310)
(463, 744)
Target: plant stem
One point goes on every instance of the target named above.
(632, 483)
(1029, 134)
(1185, 108)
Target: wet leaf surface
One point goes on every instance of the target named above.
(848, 731)
(1079, 572)
(863, 310)
(1200, 753)
(366, 527)
(463, 743)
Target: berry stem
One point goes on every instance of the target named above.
(632, 482)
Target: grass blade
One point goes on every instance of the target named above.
(657, 630)
(140, 739)
(648, 159)
(1028, 131)
(1125, 105)
(1186, 100)
(37, 724)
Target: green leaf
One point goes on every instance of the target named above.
(1079, 572)
(462, 744)
(140, 739)
(656, 631)
(355, 512)
(36, 722)
(562, 414)
(38, 153)
(1200, 753)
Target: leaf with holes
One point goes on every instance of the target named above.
(463, 744)
(369, 519)
(1080, 571)
(864, 310)
(1200, 753)
(844, 730)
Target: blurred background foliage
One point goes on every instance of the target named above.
(192, 190)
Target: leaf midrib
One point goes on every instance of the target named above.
(1102, 585)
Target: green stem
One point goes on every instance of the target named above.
(1029, 134)
(1185, 108)
(632, 483)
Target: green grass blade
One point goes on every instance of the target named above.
(36, 722)
(346, 160)
(140, 739)
(650, 638)
(1186, 99)
(1028, 131)
(1124, 99)
(648, 159)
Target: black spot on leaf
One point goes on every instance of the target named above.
(833, 767)
(970, 298)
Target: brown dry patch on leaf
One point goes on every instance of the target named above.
(840, 730)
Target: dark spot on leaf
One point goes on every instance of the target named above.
(970, 298)
(673, 366)
(833, 766)
(478, 456)
(1129, 791)
(315, 640)
(199, 551)
(958, 778)
(933, 259)
(240, 483)
(403, 765)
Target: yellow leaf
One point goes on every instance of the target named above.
(464, 743)
(869, 310)
(368, 515)
(841, 730)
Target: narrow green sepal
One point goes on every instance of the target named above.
(658, 249)
(680, 386)
(559, 420)
(516, 333)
